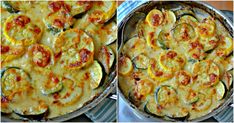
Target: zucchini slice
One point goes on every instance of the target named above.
(152, 108)
(189, 20)
(7, 5)
(209, 43)
(109, 31)
(78, 7)
(171, 61)
(226, 47)
(169, 20)
(76, 48)
(220, 90)
(154, 18)
(30, 109)
(227, 79)
(125, 65)
(19, 29)
(166, 95)
(14, 80)
(52, 84)
(188, 95)
(202, 104)
(70, 93)
(182, 12)
(207, 73)
(133, 47)
(164, 40)
(157, 73)
(141, 61)
(229, 64)
(96, 75)
(183, 32)
(106, 56)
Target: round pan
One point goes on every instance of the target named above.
(145, 8)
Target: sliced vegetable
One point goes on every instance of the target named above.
(52, 84)
(36, 108)
(196, 51)
(163, 40)
(133, 47)
(78, 7)
(140, 28)
(209, 43)
(183, 32)
(70, 93)
(189, 20)
(227, 79)
(188, 95)
(166, 95)
(183, 78)
(202, 104)
(176, 112)
(171, 61)
(102, 11)
(206, 73)
(169, 20)
(132, 98)
(229, 64)
(76, 48)
(96, 75)
(106, 56)
(141, 61)
(154, 18)
(19, 29)
(144, 87)
(182, 12)
(220, 90)
(124, 65)
(206, 28)
(151, 39)
(152, 108)
(157, 73)
(14, 80)
(7, 5)
(41, 55)
(109, 33)
(225, 47)
(59, 17)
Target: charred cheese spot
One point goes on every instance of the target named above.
(183, 78)
(144, 87)
(184, 32)
(133, 47)
(124, 65)
(196, 50)
(19, 29)
(77, 49)
(41, 55)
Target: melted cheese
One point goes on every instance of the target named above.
(77, 90)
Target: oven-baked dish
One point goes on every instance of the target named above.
(178, 65)
(55, 55)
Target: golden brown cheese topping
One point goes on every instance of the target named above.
(50, 65)
(176, 68)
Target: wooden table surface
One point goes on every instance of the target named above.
(222, 5)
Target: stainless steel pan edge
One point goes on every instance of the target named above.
(208, 8)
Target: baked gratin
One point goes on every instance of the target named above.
(55, 55)
(178, 65)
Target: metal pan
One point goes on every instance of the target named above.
(145, 8)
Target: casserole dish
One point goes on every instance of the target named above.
(145, 8)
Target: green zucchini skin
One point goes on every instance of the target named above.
(180, 13)
(38, 116)
(221, 89)
(158, 89)
(9, 7)
(161, 41)
(138, 64)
